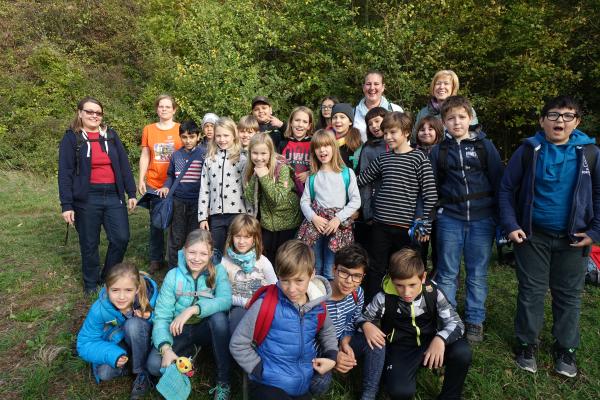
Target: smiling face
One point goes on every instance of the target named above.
(243, 242)
(245, 136)
(409, 289)
(395, 138)
(189, 140)
(341, 124)
(374, 125)
(260, 155)
(457, 121)
(326, 108)
(559, 131)
(373, 89)
(224, 138)
(165, 110)
(300, 124)
(346, 280)
(442, 89)
(91, 116)
(122, 293)
(197, 256)
(295, 287)
(427, 134)
(262, 112)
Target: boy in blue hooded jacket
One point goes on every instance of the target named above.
(550, 207)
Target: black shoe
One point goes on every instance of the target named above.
(141, 385)
(525, 358)
(564, 362)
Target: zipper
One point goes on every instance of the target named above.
(464, 176)
(223, 181)
(581, 156)
(534, 167)
(414, 323)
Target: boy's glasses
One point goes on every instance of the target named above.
(344, 275)
(567, 117)
(96, 113)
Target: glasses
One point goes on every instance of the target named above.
(344, 275)
(567, 117)
(326, 107)
(96, 113)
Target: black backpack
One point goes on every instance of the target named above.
(110, 137)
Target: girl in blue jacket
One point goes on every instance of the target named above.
(115, 336)
(191, 311)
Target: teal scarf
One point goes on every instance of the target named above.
(245, 261)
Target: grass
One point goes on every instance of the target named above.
(43, 308)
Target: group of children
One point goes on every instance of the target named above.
(288, 327)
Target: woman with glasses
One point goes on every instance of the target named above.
(93, 176)
(327, 104)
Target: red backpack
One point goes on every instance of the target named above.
(267, 312)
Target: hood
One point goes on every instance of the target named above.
(319, 290)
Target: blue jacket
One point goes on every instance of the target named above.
(180, 290)
(99, 337)
(72, 188)
(465, 175)
(517, 189)
(189, 186)
(284, 358)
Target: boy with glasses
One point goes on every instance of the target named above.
(550, 206)
(344, 308)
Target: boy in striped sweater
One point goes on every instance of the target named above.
(405, 175)
(344, 308)
(185, 198)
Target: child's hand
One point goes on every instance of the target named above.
(276, 122)
(69, 217)
(138, 313)
(345, 358)
(375, 337)
(332, 226)
(178, 323)
(122, 361)
(434, 356)
(320, 223)
(168, 357)
(261, 171)
(423, 238)
(162, 192)
(302, 176)
(323, 365)
(204, 225)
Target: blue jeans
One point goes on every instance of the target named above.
(136, 341)
(212, 330)
(473, 240)
(324, 258)
(157, 235)
(103, 208)
(373, 359)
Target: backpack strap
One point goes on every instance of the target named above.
(80, 142)
(345, 176)
(590, 152)
(430, 295)
(311, 186)
(321, 316)
(355, 296)
(266, 312)
(387, 319)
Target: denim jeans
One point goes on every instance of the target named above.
(136, 341)
(324, 258)
(103, 208)
(157, 235)
(235, 316)
(548, 260)
(473, 240)
(212, 330)
(373, 361)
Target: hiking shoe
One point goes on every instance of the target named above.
(564, 362)
(474, 333)
(141, 385)
(525, 358)
(221, 392)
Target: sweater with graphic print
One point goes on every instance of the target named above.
(189, 186)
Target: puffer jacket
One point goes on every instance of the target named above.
(180, 291)
(99, 337)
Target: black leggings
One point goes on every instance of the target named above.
(259, 391)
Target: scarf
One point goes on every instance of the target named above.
(244, 261)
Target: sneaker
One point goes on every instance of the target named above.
(525, 358)
(474, 333)
(221, 392)
(564, 362)
(141, 385)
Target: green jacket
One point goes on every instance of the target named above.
(278, 202)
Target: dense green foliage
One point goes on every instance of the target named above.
(216, 55)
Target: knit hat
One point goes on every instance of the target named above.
(344, 108)
(260, 99)
(209, 118)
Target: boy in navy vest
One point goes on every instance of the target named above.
(550, 208)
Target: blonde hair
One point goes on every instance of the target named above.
(128, 270)
(294, 257)
(248, 122)
(234, 152)
(322, 138)
(288, 131)
(250, 225)
(442, 73)
(258, 139)
(203, 236)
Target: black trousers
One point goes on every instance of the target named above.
(185, 220)
(272, 241)
(259, 391)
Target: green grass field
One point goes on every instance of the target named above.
(43, 308)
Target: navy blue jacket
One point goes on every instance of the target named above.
(72, 188)
(465, 176)
(516, 193)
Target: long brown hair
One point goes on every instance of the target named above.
(250, 225)
(258, 139)
(203, 236)
(128, 270)
(321, 138)
(288, 131)
(77, 124)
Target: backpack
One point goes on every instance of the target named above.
(593, 267)
(345, 175)
(110, 137)
(267, 313)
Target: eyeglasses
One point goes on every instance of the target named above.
(326, 107)
(344, 275)
(96, 113)
(567, 117)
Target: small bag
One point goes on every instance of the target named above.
(593, 267)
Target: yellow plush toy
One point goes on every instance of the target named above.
(184, 365)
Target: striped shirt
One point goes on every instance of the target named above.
(344, 313)
(189, 185)
(404, 178)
